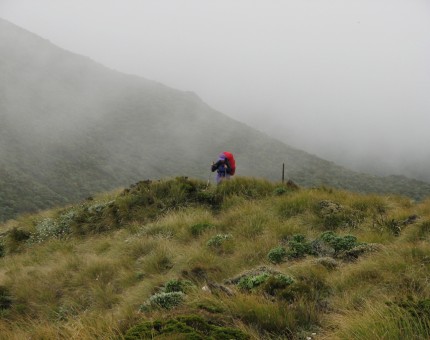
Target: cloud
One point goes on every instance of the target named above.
(344, 79)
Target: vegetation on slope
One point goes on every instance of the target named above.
(248, 259)
(86, 129)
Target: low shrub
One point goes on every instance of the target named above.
(339, 243)
(172, 295)
(210, 307)
(363, 248)
(18, 235)
(321, 248)
(218, 240)
(267, 282)
(334, 215)
(51, 228)
(327, 262)
(279, 191)
(251, 282)
(221, 244)
(191, 327)
(164, 300)
(277, 255)
(299, 247)
(275, 284)
(176, 285)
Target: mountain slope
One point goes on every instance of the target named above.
(72, 127)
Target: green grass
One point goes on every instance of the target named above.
(162, 251)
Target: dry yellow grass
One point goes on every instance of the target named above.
(92, 286)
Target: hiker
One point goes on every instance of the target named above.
(223, 168)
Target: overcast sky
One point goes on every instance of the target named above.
(348, 80)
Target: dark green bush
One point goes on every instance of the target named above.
(275, 284)
(251, 282)
(211, 307)
(339, 243)
(279, 191)
(191, 327)
(5, 298)
(266, 282)
(277, 255)
(299, 247)
(18, 235)
(15, 240)
(227, 333)
(175, 285)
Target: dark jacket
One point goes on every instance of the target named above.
(220, 167)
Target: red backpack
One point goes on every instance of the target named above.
(231, 160)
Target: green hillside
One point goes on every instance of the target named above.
(70, 127)
(249, 259)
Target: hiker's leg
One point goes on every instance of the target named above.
(218, 178)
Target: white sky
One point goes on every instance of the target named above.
(346, 79)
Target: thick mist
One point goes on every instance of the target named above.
(346, 80)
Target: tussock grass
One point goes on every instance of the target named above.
(97, 263)
(248, 220)
(379, 320)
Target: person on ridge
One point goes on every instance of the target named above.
(222, 167)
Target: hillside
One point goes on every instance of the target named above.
(248, 259)
(70, 127)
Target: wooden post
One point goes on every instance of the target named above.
(283, 173)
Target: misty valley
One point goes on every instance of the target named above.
(71, 128)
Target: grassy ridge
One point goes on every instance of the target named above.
(249, 259)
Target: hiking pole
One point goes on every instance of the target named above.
(209, 178)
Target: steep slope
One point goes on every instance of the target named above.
(73, 127)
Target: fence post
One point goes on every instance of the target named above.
(283, 173)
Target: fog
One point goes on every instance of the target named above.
(347, 80)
